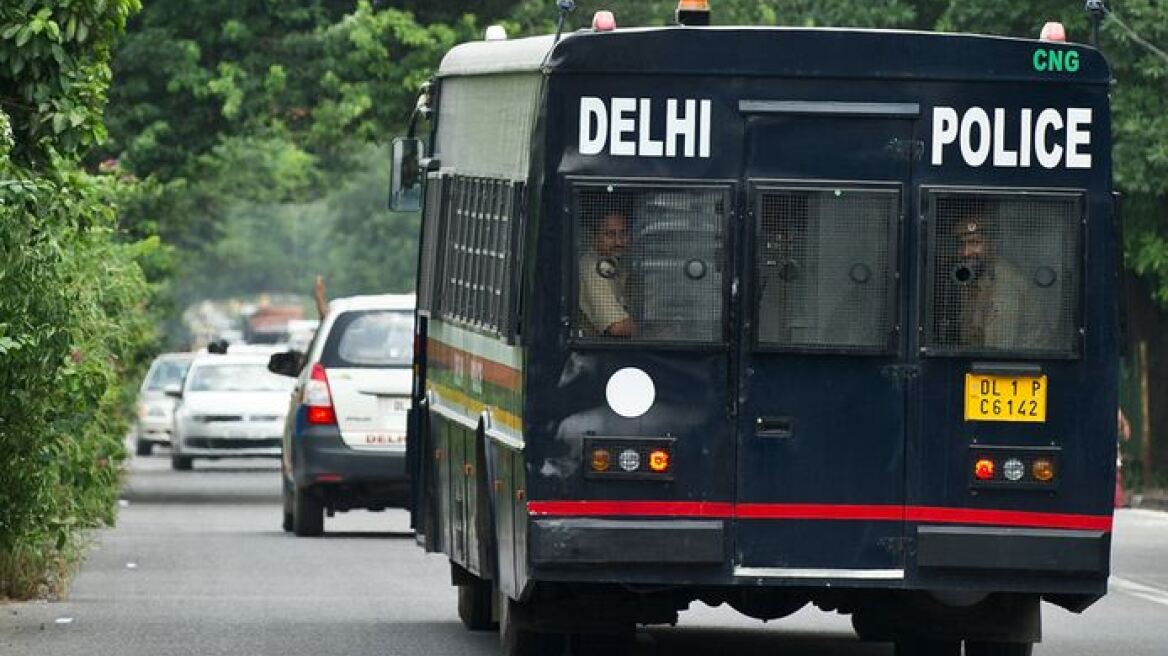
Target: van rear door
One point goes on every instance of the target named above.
(821, 423)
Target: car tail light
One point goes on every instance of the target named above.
(318, 399)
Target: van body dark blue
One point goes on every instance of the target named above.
(838, 467)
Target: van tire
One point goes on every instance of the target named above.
(474, 605)
(181, 463)
(307, 514)
(516, 639)
(143, 447)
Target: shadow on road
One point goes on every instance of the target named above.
(703, 641)
(387, 535)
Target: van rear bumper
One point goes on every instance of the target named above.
(585, 541)
(1030, 550)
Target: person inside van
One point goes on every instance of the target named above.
(994, 298)
(604, 281)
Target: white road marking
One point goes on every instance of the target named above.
(1145, 592)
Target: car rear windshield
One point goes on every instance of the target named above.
(166, 372)
(235, 377)
(370, 338)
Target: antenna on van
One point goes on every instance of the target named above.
(1097, 11)
(565, 7)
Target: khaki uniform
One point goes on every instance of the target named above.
(998, 312)
(603, 301)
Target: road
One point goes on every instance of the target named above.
(198, 565)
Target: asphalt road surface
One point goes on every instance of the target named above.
(198, 565)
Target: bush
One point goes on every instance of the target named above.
(73, 325)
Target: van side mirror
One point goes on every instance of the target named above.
(405, 175)
(173, 390)
(287, 363)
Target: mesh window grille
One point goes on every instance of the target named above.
(1004, 272)
(650, 262)
(432, 238)
(826, 268)
(480, 220)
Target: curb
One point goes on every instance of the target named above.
(1148, 503)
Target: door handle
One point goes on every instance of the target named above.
(774, 427)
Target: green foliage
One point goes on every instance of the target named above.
(309, 83)
(73, 330)
(54, 71)
(240, 116)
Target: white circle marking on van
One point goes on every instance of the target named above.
(630, 392)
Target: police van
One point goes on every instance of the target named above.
(766, 317)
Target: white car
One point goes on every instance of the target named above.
(229, 406)
(155, 408)
(345, 437)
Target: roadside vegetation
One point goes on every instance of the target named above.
(243, 150)
(73, 325)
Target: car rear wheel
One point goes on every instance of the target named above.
(288, 519)
(307, 514)
(180, 462)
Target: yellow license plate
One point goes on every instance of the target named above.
(1005, 398)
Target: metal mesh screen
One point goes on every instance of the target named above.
(432, 238)
(1004, 271)
(826, 268)
(479, 245)
(650, 262)
(487, 122)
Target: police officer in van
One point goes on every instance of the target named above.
(997, 308)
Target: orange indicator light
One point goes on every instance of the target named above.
(984, 469)
(659, 460)
(601, 460)
(1043, 469)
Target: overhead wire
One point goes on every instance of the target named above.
(1135, 36)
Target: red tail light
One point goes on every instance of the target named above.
(318, 398)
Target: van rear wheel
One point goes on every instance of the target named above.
(474, 604)
(180, 463)
(516, 639)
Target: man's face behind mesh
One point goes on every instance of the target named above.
(613, 236)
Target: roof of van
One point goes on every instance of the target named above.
(776, 51)
(373, 302)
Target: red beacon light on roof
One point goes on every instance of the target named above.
(1054, 31)
(693, 12)
(603, 21)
